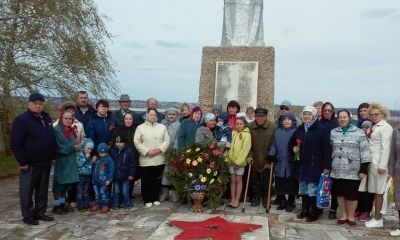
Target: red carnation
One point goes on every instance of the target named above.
(298, 141)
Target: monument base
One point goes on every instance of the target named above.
(264, 56)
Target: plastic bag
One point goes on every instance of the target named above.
(324, 197)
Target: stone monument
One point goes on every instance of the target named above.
(242, 68)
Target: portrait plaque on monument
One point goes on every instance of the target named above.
(236, 80)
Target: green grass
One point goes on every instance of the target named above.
(8, 166)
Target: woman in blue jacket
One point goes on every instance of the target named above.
(311, 143)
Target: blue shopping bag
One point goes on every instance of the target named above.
(324, 196)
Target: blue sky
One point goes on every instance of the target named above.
(341, 51)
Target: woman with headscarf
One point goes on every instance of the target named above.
(172, 124)
(283, 170)
(65, 167)
(351, 157)
(187, 131)
(379, 143)
(311, 143)
(127, 129)
(206, 134)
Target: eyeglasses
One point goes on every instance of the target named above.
(374, 114)
(284, 108)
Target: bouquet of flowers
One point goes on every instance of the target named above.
(199, 168)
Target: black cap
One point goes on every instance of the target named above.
(120, 138)
(261, 112)
(35, 96)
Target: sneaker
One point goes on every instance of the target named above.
(373, 223)
(149, 204)
(395, 233)
(363, 217)
(156, 203)
(105, 209)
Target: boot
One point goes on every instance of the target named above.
(305, 210)
(277, 200)
(290, 204)
(58, 210)
(283, 204)
(174, 196)
(164, 194)
(66, 208)
(314, 213)
(256, 202)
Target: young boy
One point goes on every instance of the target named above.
(85, 172)
(103, 174)
(125, 171)
(223, 132)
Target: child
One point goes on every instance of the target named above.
(85, 172)
(223, 132)
(237, 155)
(103, 174)
(283, 170)
(125, 171)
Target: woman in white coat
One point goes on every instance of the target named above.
(151, 140)
(380, 143)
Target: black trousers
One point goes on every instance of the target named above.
(365, 202)
(34, 180)
(259, 183)
(151, 182)
(71, 193)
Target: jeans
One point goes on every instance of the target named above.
(126, 196)
(102, 193)
(82, 195)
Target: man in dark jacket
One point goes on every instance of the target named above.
(125, 103)
(34, 145)
(151, 103)
(84, 111)
(262, 131)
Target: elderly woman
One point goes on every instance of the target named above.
(187, 131)
(311, 143)
(151, 140)
(65, 167)
(394, 171)
(172, 124)
(330, 122)
(206, 134)
(380, 140)
(351, 157)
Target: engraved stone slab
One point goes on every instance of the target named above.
(264, 56)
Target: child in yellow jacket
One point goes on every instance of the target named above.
(237, 155)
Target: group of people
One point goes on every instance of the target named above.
(95, 151)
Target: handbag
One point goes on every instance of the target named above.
(324, 197)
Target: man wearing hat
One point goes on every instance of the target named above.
(262, 131)
(34, 145)
(125, 103)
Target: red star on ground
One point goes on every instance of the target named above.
(216, 228)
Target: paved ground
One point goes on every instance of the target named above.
(140, 223)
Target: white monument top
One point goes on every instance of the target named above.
(243, 23)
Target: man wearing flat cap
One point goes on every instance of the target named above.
(125, 103)
(34, 145)
(262, 132)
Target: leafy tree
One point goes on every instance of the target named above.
(56, 47)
